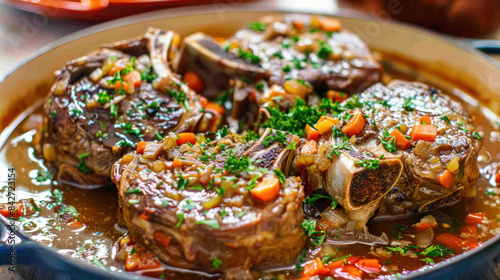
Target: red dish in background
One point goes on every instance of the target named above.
(95, 10)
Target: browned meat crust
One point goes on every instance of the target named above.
(206, 210)
(90, 121)
(277, 52)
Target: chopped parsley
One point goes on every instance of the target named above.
(257, 26)
(220, 191)
(427, 260)
(179, 96)
(408, 105)
(223, 132)
(248, 56)
(113, 111)
(325, 50)
(251, 136)
(344, 145)
(309, 227)
(82, 167)
(477, 135)
(103, 97)
(147, 76)
(72, 210)
(259, 86)
(211, 223)
(315, 197)
(389, 142)
(280, 175)
(180, 217)
(291, 146)
(241, 214)
(444, 118)
(216, 263)
(164, 202)
(182, 183)
(235, 164)
(369, 163)
(436, 251)
(277, 137)
(295, 120)
(134, 191)
(43, 175)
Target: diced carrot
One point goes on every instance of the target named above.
(349, 271)
(115, 69)
(134, 76)
(400, 140)
(193, 81)
(203, 101)
(267, 190)
(425, 120)
(446, 179)
(314, 268)
(148, 261)
(119, 85)
(298, 25)
(356, 125)
(468, 231)
(161, 238)
(423, 225)
(425, 132)
(471, 244)
(330, 24)
(146, 214)
(372, 265)
(475, 218)
(5, 210)
(497, 178)
(335, 264)
(351, 260)
(312, 134)
(132, 261)
(186, 137)
(336, 95)
(220, 40)
(76, 225)
(450, 240)
(177, 162)
(141, 146)
(216, 107)
(310, 147)
(331, 119)
(324, 126)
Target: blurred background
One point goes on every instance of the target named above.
(28, 25)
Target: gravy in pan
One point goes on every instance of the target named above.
(83, 225)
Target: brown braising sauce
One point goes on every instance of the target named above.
(83, 223)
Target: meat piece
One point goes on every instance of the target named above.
(362, 166)
(454, 150)
(102, 104)
(174, 202)
(274, 49)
